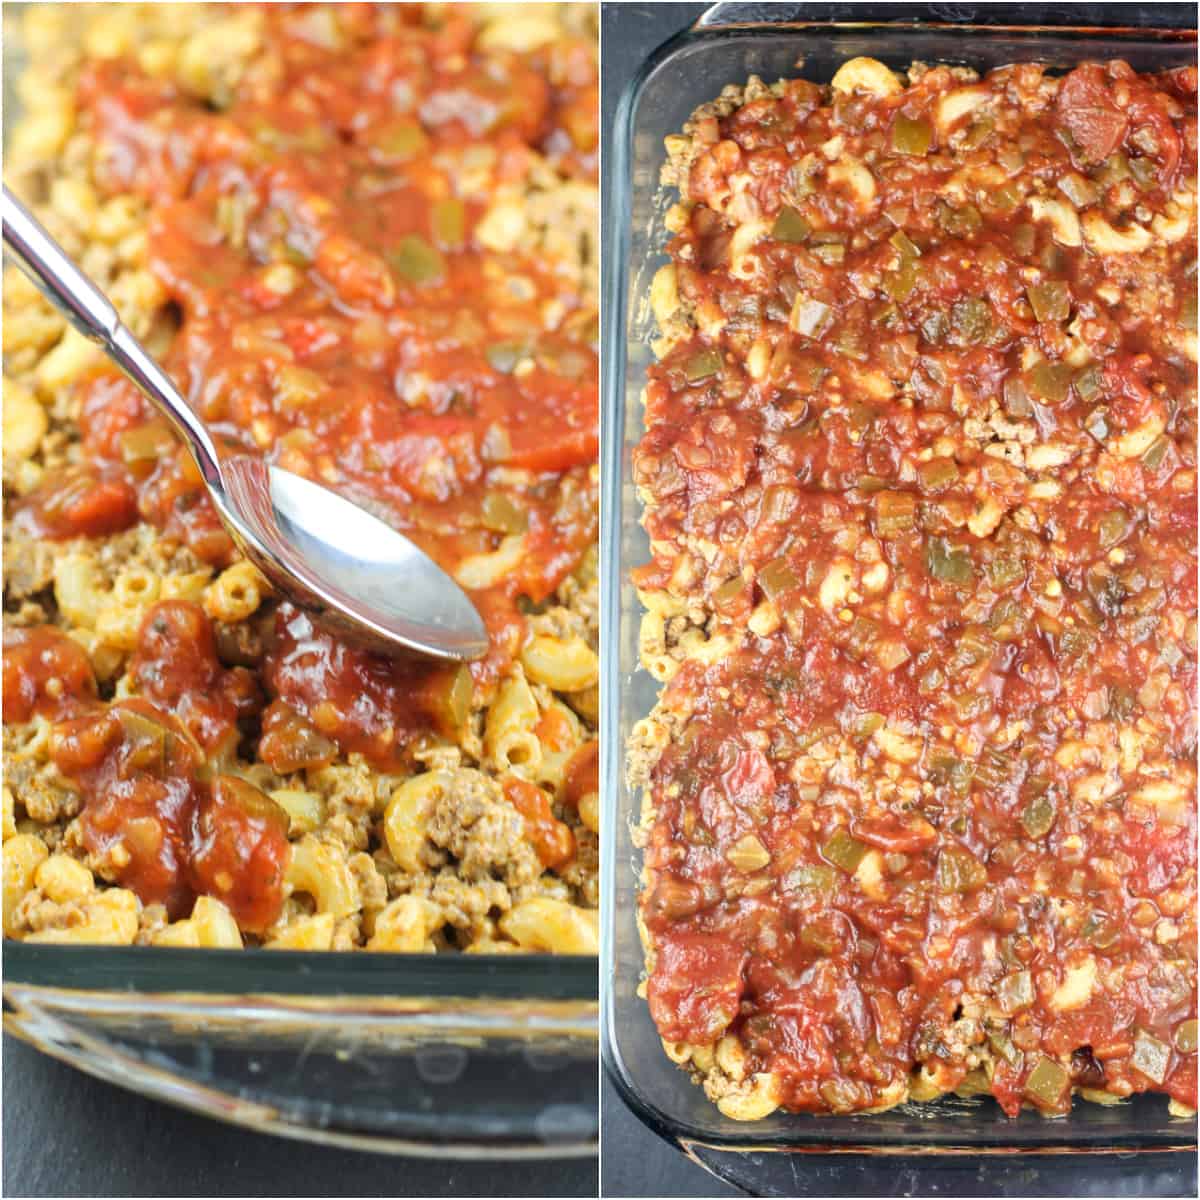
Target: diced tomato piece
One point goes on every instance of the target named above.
(1086, 110)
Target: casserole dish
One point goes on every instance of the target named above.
(281, 1042)
(729, 44)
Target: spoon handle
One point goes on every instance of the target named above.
(92, 314)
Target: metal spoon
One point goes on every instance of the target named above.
(324, 553)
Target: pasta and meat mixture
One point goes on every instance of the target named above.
(362, 238)
(919, 478)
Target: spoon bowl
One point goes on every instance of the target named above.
(331, 557)
(344, 565)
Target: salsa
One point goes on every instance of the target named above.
(337, 312)
(157, 809)
(921, 447)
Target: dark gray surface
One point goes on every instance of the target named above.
(636, 1162)
(66, 1134)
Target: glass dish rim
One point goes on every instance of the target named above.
(1145, 22)
(536, 978)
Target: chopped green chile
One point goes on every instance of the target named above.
(1002, 1045)
(1187, 313)
(911, 135)
(850, 345)
(790, 226)
(906, 247)
(777, 577)
(818, 937)
(870, 483)
(1006, 618)
(901, 283)
(980, 130)
(831, 253)
(844, 851)
(1081, 192)
(1089, 382)
(960, 222)
(1024, 239)
(501, 515)
(1037, 817)
(449, 222)
(869, 723)
(816, 876)
(1049, 381)
(252, 801)
(1098, 930)
(1015, 992)
(946, 563)
(971, 319)
(1185, 1037)
(1096, 423)
(895, 513)
(729, 592)
(1144, 171)
(417, 261)
(146, 443)
(703, 364)
(959, 871)
(1151, 1056)
(812, 318)
(147, 741)
(1113, 528)
(1006, 198)
(1016, 398)
(1156, 453)
(1047, 1084)
(1050, 300)
(938, 474)
(402, 140)
(504, 356)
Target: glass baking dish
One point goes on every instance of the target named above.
(464, 1056)
(729, 43)
(470, 1056)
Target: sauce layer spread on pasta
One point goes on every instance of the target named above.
(345, 220)
(919, 475)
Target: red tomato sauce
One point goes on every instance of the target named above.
(949, 769)
(157, 813)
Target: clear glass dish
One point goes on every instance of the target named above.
(465, 1056)
(728, 44)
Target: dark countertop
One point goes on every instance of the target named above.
(635, 1161)
(67, 1134)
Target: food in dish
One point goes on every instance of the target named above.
(363, 240)
(919, 481)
